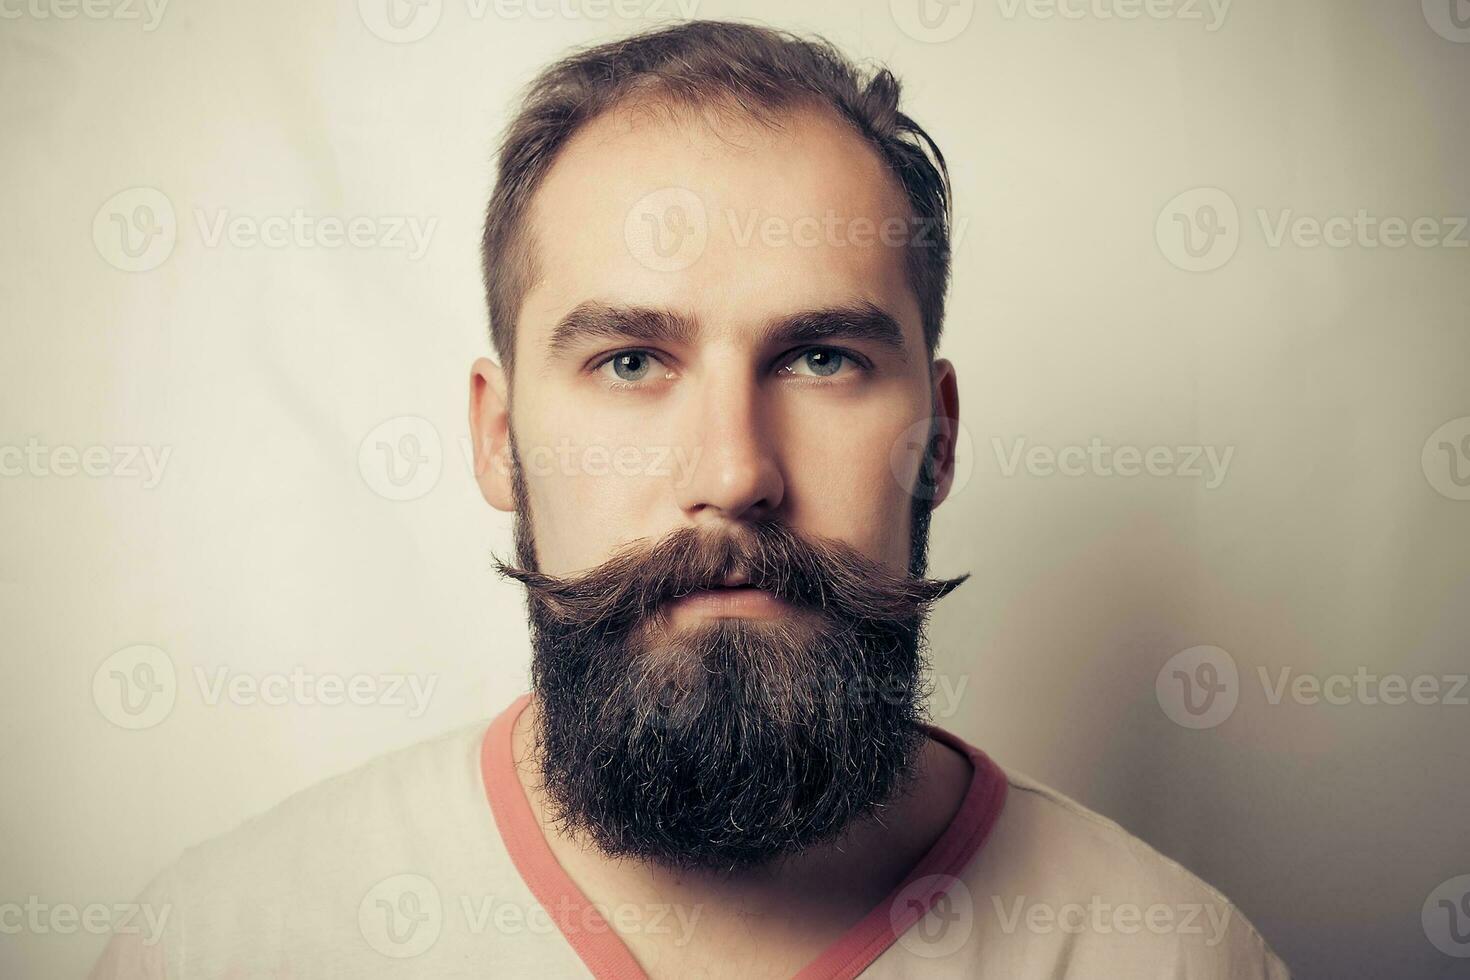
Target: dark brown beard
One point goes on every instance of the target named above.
(737, 742)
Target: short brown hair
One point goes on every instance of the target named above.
(757, 71)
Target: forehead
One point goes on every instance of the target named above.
(733, 221)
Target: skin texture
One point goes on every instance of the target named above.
(762, 437)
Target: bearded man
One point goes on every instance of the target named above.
(715, 260)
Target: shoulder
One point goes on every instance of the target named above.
(302, 868)
(391, 797)
(1055, 878)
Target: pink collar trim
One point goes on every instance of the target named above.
(605, 955)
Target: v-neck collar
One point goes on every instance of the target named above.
(608, 958)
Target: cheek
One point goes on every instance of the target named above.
(856, 487)
(589, 495)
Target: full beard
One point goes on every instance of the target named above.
(732, 743)
(726, 745)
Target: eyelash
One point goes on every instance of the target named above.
(858, 361)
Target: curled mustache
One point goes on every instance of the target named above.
(809, 572)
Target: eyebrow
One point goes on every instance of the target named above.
(864, 321)
(594, 320)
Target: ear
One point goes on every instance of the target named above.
(490, 433)
(946, 435)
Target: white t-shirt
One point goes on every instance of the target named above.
(428, 862)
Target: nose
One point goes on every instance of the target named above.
(737, 473)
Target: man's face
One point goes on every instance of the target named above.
(727, 388)
(724, 415)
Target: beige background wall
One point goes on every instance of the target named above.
(1334, 542)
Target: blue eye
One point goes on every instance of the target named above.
(821, 362)
(630, 365)
(634, 367)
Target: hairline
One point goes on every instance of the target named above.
(683, 108)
